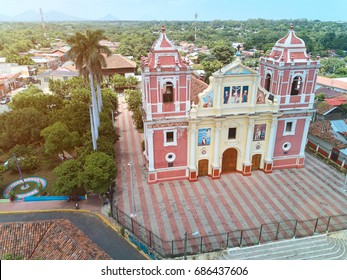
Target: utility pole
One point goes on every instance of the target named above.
(133, 210)
(43, 24)
(195, 16)
(19, 171)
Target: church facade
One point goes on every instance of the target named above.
(243, 121)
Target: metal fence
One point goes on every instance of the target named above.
(190, 245)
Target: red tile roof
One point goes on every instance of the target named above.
(323, 130)
(48, 240)
(341, 99)
(197, 86)
(323, 107)
(116, 61)
(331, 83)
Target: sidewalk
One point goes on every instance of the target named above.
(92, 204)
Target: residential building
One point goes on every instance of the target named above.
(118, 64)
(333, 84)
(329, 138)
(61, 73)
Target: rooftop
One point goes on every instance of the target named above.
(334, 83)
(325, 131)
(48, 240)
(116, 61)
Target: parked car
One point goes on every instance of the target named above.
(5, 100)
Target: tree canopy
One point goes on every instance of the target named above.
(99, 171)
(58, 138)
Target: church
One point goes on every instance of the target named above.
(243, 121)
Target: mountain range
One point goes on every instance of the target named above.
(32, 16)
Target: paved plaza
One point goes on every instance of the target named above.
(233, 202)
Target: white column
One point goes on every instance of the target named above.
(178, 92)
(216, 146)
(249, 141)
(192, 164)
(304, 136)
(272, 138)
(217, 100)
(149, 111)
(150, 149)
(252, 101)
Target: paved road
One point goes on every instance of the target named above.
(102, 235)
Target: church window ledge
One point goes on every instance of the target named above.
(170, 138)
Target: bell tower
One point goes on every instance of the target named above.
(166, 79)
(290, 73)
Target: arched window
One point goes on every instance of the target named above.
(168, 92)
(296, 86)
(267, 82)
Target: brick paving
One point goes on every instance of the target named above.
(92, 204)
(233, 202)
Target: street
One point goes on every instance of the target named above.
(102, 235)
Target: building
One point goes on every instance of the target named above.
(332, 84)
(118, 64)
(329, 139)
(290, 74)
(166, 79)
(62, 74)
(243, 121)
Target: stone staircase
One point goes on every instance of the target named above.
(319, 247)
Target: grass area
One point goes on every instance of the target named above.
(18, 190)
(45, 171)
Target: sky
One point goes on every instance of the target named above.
(324, 10)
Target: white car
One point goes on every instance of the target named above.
(5, 100)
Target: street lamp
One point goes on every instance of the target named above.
(20, 172)
(344, 186)
(133, 213)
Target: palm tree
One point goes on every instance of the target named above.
(87, 53)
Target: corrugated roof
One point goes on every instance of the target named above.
(339, 125)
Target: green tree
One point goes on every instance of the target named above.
(22, 126)
(36, 99)
(320, 96)
(2, 171)
(119, 80)
(343, 108)
(58, 138)
(134, 99)
(75, 115)
(59, 88)
(330, 65)
(223, 52)
(99, 171)
(21, 60)
(210, 67)
(68, 177)
(87, 53)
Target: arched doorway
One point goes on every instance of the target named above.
(203, 167)
(256, 159)
(267, 82)
(229, 160)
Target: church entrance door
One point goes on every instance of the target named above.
(203, 167)
(229, 160)
(256, 162)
